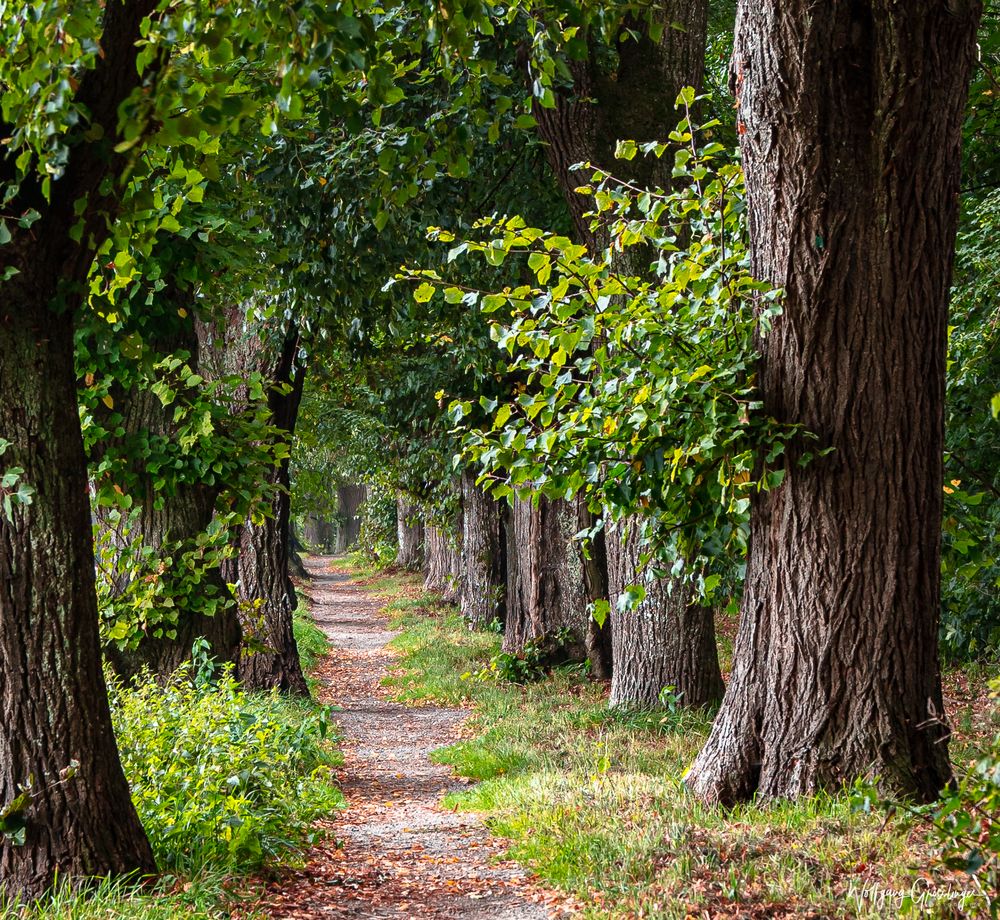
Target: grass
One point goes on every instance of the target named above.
(592, 801)
(210, 885)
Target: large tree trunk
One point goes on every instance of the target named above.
(546, 597)
(443, 563)
(635, 100)
(410, 532)
(483, 565)
(260, 569)
(850, 116)
(167, 519)
(668, 640)
(53, 700)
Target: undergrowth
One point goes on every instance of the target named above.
(225, 782)
(592, 800)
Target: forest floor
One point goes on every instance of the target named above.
(396, 851)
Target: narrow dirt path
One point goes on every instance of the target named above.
(395, 852)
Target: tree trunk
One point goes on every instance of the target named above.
(850, 120)
(349, 501)
(668, 640)
(54, 709)
(443, 563)
(410, 531)
(546, 597)
(270, 656)
(185, 513)
(483, 565)
(635, 100)
(53, 698)
(594, 559)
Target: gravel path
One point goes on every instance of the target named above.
(396, 852)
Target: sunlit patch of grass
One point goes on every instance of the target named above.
(593, 801)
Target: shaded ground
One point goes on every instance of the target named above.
(394, 852)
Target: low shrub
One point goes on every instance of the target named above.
(222, 777)
(965, 824)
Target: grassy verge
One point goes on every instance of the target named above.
(592, 801)
(227, 784)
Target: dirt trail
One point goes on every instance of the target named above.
(396, 852)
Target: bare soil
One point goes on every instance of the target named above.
(395, 852)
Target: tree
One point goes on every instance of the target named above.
(244, 345)
(483, 568)
(410, 535)
(67, 804)
(850, 118)
(664, 639)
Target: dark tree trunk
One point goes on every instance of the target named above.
(185, 513)
(260, 569)
(850, 116)
(296, 566)
(634, 100)
(483, 565)
(594, 559)
(546, 597)
(318, 534)
(410, 532)
(668, 640)
(349, 501)
(53, 698)
(443, 563)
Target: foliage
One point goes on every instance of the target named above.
(636, 380)
(221, 777)
(965, 824)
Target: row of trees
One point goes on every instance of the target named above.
(201, 203)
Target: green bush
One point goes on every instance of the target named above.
(222, 778)
(966, 822)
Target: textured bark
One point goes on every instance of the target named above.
(184, 514)
(410, 532)
(319, 534)
(349, 500)
(594, 560)
(633, 100)
(668, 640)
(484, 556)
(260, 569)
(53, 700)
(851, 118)
(546, 597)
(636, 101)
(443, 561)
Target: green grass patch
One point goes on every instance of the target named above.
(592, 800)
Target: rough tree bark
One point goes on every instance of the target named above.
(850, 116)
(546, 597)
(667, 641)
(184, 514)
(634, 100)
(483, 563)
(53, 700)
(260, 569)
(443, 563)
(410, 533)
(349, 500)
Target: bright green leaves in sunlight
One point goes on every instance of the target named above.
(635, 364)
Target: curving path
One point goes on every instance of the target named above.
(394, 853)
